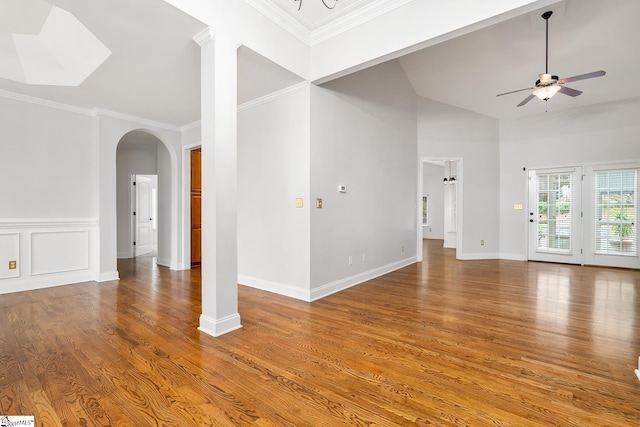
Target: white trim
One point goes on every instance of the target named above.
(217, 327)
(513, 257)
(42, 282)
(137, 120)
(46, 103)
(342, 284)
(108, 276)
(164, 262)
(91, 112)
(282, 19)
(275, 287)
(274, 95)
(480, 255)
(335, 23)
(12, 223)
(204, 36)
(191, 126)
(354, 19)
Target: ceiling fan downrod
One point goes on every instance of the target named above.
(546, 17)
(324, 2)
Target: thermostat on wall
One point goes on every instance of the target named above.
(342, 188)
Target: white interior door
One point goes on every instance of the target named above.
(610, 215)
(555, 210)
(145, 221)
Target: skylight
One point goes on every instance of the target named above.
(41, 44)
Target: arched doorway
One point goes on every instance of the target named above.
(139, 153)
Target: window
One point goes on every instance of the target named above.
(425, 210)
(554, 212)
(615, 212)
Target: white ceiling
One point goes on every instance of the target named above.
(154, 69)
(584, 36)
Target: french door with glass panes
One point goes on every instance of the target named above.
(584, 215)
(610, 215)
(555, 229)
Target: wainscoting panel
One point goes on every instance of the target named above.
(9, 251)
(48, 252)
(59, 251)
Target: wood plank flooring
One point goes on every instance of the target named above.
(443, 342)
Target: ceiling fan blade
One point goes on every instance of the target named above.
(527, 99)
(582, 77)
(568, 91)
(514, 91)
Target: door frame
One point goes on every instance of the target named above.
(134, 208)
(577, 226)
(630, 262)
(459, 203)
(186, 203)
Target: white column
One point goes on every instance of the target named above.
(219, 183)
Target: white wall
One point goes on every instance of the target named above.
(273, 170)
(600, 133)
(432, 186)
(363, 135)
(48, 196)
(58, 147)
(449, 132)
(168, 238)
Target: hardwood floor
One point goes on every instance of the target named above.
(443, 342)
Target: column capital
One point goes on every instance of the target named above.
(204, 36)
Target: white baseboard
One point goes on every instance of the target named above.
(107, 276)
(276, 288)
(217, 327)
(513, 257)
(41, 282)
(479, 256)
(164, 262)
(342, 284)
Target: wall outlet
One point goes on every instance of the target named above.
(481, 242)
(350, 260)
(13, 265)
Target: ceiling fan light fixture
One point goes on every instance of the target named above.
(546, 92)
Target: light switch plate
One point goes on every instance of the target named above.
(319, 203)
(299, 203)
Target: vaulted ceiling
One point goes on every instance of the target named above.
(153, 71)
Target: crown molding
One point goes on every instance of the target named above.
(139, 120)
(354, 19)
(46, 103)
(282, 19)
(91, 112)
(191, 126)
(204, 36)
(272, 96)
(349, 18)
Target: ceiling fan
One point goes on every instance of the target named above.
(548, 85)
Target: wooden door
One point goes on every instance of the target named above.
(196, 207)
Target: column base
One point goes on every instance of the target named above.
(217, 327)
